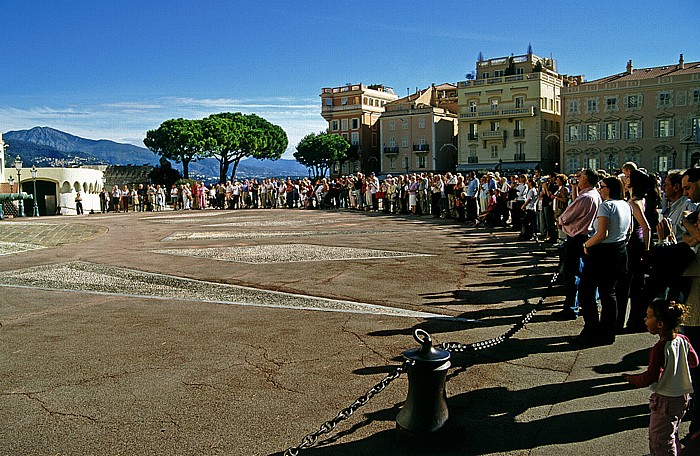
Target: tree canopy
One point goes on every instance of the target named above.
(227, 137)
(230, 137)
(319, 151)
(178, 140)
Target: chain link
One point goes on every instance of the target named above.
(488, 343)
(310, 439)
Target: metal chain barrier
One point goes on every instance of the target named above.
(458, 347)
(310, 439)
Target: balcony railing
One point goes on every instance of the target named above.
(421, 147)
(519, 157)
(493, 134)
(391, 150)
(473, 136)
(509, 112)
(348, 107)
(519, 133)
(472, 159)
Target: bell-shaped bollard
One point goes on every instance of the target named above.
(425, 410)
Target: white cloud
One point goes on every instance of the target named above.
(128, 120)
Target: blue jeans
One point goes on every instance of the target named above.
(605, 265)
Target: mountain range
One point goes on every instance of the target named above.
(48, 147)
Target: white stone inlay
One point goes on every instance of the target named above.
(285, 253)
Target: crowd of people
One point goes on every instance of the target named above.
(625, 241)
(628, 245)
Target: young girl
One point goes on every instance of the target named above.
(668, 376)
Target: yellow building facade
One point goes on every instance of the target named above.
(510, 114)
(645, 115)
(418, 132)
(353, 111)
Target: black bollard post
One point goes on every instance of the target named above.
(425, 410)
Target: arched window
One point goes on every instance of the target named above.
(65, 187)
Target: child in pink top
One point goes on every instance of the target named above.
(668, 376)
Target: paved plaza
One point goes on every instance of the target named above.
(239, 332)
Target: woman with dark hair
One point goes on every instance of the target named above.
(604, 265)
(638, 185)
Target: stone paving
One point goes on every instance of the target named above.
(102, 353)
(94, 278)
(48, 234)
(212, 235)
(7, 248)
(285, 253)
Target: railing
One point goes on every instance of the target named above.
(391, 150)
(473, 136)
(343, 107)
(492, 134)
(525, 111)
(472, 159)
(421, 147)
(519, 133)
(519, 157)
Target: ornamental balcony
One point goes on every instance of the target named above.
(391, 150)
(493, 134)
(421, 147)
(519, 133)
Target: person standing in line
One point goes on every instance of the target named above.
(668, 376)
(577, 222)
(79, 203)
(143, 194)
(604, 265)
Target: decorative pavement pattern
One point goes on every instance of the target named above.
(48, 234)
(7, 248)
(285, 253)
(78, 276)
(207, 235)
(243, 221)
(260, 223)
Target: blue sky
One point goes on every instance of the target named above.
(115, 69)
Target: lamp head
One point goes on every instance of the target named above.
(18, 163)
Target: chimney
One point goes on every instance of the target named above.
(629, 66)
(681, 64)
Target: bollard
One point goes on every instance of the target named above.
(425, 410)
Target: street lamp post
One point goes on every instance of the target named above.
(18, 167)
(36, 206)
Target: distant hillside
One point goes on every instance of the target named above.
(107, 151)
(49, 147)
(45, 156)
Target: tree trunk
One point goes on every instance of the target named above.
(185, 169)
(223, 170)
(235, 166)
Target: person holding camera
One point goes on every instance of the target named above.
(577, 223)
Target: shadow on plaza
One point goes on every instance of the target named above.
(487, 421)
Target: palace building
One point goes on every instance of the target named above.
(419, 132)
(645, 115)
(510, 114)
(353, 111)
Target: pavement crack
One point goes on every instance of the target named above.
(269, 373)
(362, 341)
(44, 405)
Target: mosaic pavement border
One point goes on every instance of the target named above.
(84, 277)
(286, 253)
